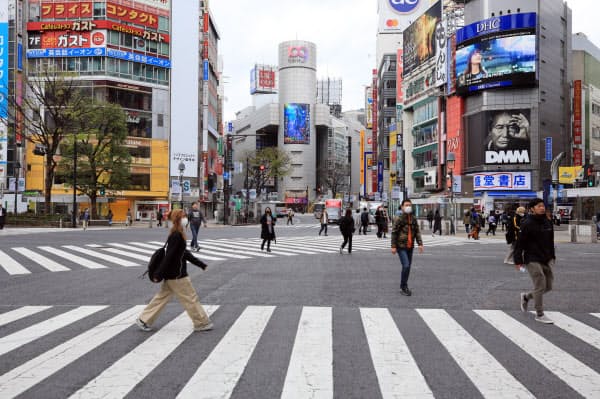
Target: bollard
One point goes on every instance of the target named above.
(593, 234)
(60, 223)
(573, 231)
(150, 223)
(447, 228)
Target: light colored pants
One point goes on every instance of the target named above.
(542, 278)
(187, 296)
(511, 253)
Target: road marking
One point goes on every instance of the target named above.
(73, 258)
(132, 248)
(214, 244)
(123, 375)
(219, 373)
(20, 313)
(310, 371)
(20, 379)
(11, 266)
(575, 373)
(41, 260)
(220, 252)
(596, 315)
(133, 255)
(103, 256)
(575, 327)
(486, 373)
(29, 334)
(275, 249)
(396, 369)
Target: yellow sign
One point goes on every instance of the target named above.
(569, 174)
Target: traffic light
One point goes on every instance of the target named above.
(589, 173)
(262, 168)
(102, 191)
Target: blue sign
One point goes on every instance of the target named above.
(230, 127)
(497, 24)
(379, 176)
(502, 181)
(226, 175)
(4, 70)
(404, 6)
(98, 52)
(548, 149)
(205, 70)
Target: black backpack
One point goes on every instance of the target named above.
(154, 264)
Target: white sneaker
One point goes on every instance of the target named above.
(543, 319)
(206, 327)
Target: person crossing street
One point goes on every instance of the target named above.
(195, 220)
(404, 234)
(324, 220)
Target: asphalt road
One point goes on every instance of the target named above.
(305, 322)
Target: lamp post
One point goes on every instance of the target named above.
(17, 167)
(450, 159)
(181, 168)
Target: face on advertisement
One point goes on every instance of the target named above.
(474, 67)
(506, 130)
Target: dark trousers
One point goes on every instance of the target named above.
(347, 240)
(262, 246)
(194, 229)
(323, 227)
(290, 220)
(364, 227)
(405, 255)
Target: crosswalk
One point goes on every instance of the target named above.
(301, 352)
(28, 260)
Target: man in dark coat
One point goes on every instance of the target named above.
(267, 229)
(2, 216)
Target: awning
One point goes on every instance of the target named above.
(425, 148)
(418, 173)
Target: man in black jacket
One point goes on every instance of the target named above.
(535, 249)
(195, 219)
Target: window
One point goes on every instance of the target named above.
(390, 84)
(163, 24)
(140, 182)
(127, 41)
(99, 11)
(595, 109)
(139, 152)
(164, 49)
(160, 120)
(124, 67)
(113, 37)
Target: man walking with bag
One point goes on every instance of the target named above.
(404, 234)
(324, 220)
(195, 219)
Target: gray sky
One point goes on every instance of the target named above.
(343, 30)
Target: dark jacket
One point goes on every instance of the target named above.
(513, 228)
(347, 225)
(536, 241)
(196, 218)
(400, 231)
(264, 228)
(174, 265)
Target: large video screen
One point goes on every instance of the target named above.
(498, 52)
(296, 128)
(500, 137)
(419, 38)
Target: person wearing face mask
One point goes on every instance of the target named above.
(267, 229)
(535, 250)
(513, 227)
(404, 234)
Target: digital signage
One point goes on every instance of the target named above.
(296, 124)
(499, 137)
(419, 38)
(496, 52)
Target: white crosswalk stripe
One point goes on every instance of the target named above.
(73, 258)
(95, 254)
(11, 266)
(399, 370)
(41, 260)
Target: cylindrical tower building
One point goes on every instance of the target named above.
(297, 131)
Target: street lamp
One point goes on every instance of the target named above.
(450, 159)
(17, 167)
(181, 168)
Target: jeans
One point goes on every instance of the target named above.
(405, 255)
(194, 229)
(323, 227)
(347, 240)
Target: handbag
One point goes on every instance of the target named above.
(154, 263)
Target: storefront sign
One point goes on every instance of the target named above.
(131, 15)
(98, 52)
(66, 10)
(82, 26)
(577, 112)
(577, 157)
(66, 39)
(569, 174)
(502, 181)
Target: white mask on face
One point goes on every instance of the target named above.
(408, 209)
(184, 221)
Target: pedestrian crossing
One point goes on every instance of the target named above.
(98, 352)
(28, 260)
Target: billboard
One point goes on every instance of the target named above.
(577, 112)
(88, 25)
(67, 10)
(128, 14)
(263, 79)
(419, 38)
(296, 123)
(67, 39)
(496, 52)
(499, 137)
(396, 15)
(569, 174)
(502, 181)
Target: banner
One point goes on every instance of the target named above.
(569, 174)
(502, 181)
(577, 112)
(441, 53)
(88, 25)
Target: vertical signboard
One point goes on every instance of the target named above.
(375, 129)
(548, 149)
(577, 112)
(399, 73)
(362, 157)
(3, 87)
(441, 53)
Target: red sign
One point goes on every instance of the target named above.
(577, 157)
(577, 112)
(399, 71)
(266, 79)
(82, 26)
(67, 10)
(68, 39)
(131, 15)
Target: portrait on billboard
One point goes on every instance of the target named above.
(420, 38)
(296, 128)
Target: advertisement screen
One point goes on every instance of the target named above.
(296, 124)
(499, 137)
(419, 39)
(498, 52)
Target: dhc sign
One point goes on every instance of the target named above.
(507, 157)
(404, 6)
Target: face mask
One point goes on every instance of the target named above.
(521, 214)
(408, 209)
(184, 221)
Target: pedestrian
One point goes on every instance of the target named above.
(475, 225)
(347, 230)
(128, 219)
(437, 223)
(385, 222)
(86, 219)
(430, 219)
(290, 217)
(504, 219)
(195, 220)
(159, 218)
(324, 219)
(513, 229)
(491, 224)
(404, 234)
(110, 216)
(535, 250)
(267, 229)
(173, 270)
(379, 219)
(467, 221)
(364, 221)
(2, 217)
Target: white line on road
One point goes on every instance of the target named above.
(396, 369)
(11, 266)
(222, 255)
(213, 244)
(576, 328)
(133, 255)
(41, 260)
(95, 254)
(73, 258)
(20, 313)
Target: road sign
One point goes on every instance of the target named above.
(548, 148)
(226, 175)
(187, 187)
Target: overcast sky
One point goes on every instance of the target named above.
(343, 30)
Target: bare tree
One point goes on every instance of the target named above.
(335, 178)
(266, 164)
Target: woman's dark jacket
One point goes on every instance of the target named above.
(536, 241)
(513, 227)
(174, 265)
(264, 228)
(347, 225)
